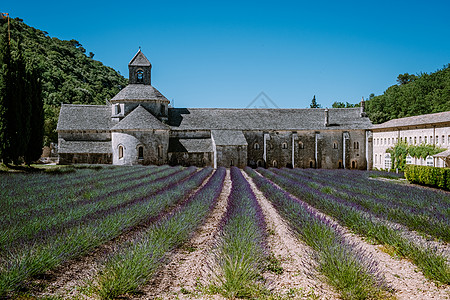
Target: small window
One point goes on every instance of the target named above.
(425, 140)
(430, 161)
(353, 164)
(231, 163)
(284, 146)
(117, 109)
(120, 152)
(256, 146)
(335, 145)
(437, 139)
(420, 140)
(340, 164)
(140, 76)
(163, 110)
(376, 158)
(410, 140)
(259, 163)
(140, 152)
(415, 140)
(300, 145)
(274, 164)
(356, 144)
(311, 164)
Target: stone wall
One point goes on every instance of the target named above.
(85, 158)
(228, 156)
(203, 159)
(155, 147)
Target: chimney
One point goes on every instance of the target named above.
(362, 107)
(327, 118)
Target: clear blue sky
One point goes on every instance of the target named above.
(224, 53)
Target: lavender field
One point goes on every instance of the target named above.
(174, 232)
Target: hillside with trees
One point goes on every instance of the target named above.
(412, 95)
(68, 75)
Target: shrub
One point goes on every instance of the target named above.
(431, 176)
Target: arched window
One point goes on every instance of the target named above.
(256, 146)
(300, 145)
(160, 151)
(409, 159)
(231, 163)
(120, 151)
(353, 164)
(284, 146)
(259, 163)
(356, 144)
(311, 164)
(430, 161)
(140, 152)
(387, 161)
(376, 158)
(274, 164)
(140, 76)
(335, 145)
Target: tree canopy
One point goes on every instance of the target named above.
(413, 95)
(68, 75)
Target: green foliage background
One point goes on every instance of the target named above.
(413, 95)
(68, 75)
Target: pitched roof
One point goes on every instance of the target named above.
(139, 60)
(266, 119)
(443, 154)
(229, 138)
(139, 119)
(84, 117)
(190, 145)
(84, 147)
(436, 118)
(139, 92)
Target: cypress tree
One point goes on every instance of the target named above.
(5, 94)
(34, 149)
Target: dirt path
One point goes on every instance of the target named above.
(400, 274)
(298, 274)
(72, 278)
(189, 266)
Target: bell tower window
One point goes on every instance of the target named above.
(140, 76)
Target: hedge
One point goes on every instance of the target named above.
(431, 176)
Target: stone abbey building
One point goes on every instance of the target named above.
(139, 127)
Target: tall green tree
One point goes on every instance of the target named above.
(5, 93)
(314, 103)
(35, 142)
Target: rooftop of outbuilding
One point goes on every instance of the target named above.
(428, 119)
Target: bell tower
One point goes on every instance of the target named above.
(140, 70)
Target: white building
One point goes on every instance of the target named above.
(424, 129)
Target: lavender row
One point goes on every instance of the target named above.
(130, 267)
(57, 199)
(23, 262)
(431, 261)
(432, 223)
(63, 201)
(406, 194)
(37, 228)
(350, 270)
(241, 249)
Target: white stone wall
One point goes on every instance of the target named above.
(384, 139)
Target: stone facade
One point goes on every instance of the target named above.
(139, 127)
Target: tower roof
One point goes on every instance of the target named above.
(139, 60)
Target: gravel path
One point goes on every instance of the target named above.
(189, 269)
(298, 267)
